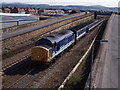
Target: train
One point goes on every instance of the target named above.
(50, 46)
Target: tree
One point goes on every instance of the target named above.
(2, 8)
(64, 10)
(73, 11)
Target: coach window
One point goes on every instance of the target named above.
(58, 47)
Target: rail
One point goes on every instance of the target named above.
(5, 36)
(17, 61)
(20, 79)
(13, 63)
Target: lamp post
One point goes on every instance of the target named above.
(92, 57)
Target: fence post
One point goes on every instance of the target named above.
(18, 23)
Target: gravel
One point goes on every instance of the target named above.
(53, 76)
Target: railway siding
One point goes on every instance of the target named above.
(9, 29)
(14, 42)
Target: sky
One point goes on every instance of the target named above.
(107, 3)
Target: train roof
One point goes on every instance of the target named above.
(54, 38)
(90, 24)
(46, 46)
(58, 36)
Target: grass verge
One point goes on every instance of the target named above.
(78, 79)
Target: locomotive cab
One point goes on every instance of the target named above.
(40, 53)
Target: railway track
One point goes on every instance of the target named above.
(13, 34)
(19, 60)
(42, 82)
(14, 64)
(17, 82)
(17, 72)
(47, 33)
(23, 74)
(20, 79)
(31, 79)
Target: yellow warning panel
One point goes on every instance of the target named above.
(40, 53)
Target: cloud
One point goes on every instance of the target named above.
(108, 3)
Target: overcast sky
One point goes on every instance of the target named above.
(108, 3)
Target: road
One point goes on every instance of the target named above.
(107, 75)
(32, 28)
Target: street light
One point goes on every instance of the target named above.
(92, 60)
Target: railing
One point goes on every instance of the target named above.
(18, 21)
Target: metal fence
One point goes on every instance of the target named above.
(10, 23)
